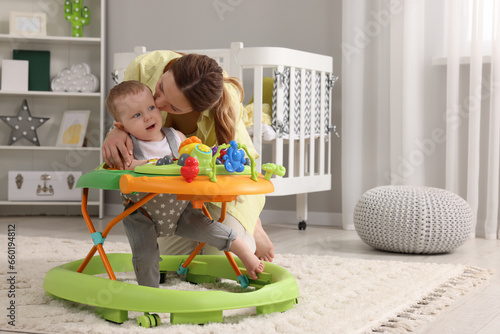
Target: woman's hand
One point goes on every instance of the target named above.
(117, 149)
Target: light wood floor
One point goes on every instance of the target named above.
(476, 312)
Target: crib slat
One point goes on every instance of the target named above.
(329, 135)
(291, 121)
(257, 113)
(278, 145)
(322, 125)
(302, 159)
(312, 141)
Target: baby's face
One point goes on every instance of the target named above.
(139, 116)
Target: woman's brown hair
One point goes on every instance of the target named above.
(201, 80)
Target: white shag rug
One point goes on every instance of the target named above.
(337, 295)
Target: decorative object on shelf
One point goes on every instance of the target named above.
(76, 79)
(28, 24)
(15, 75)
(73, 128)
(43, 186)
(78, 15)
(24, 125)
(39, 68)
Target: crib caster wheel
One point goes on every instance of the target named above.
(302, 225)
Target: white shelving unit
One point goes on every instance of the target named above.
(65, 51)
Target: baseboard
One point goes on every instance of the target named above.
(268, 216)
(113, 210)
(290, 217)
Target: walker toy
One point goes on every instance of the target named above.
(200, 176)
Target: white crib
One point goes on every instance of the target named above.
(300, 135)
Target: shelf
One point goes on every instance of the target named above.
(65, 50)
(47, 203)
(49, 148)
(52, 39)
(49, 94)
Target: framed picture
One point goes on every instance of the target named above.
(28, 24)
(73, 128)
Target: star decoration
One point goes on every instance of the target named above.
(24, 125)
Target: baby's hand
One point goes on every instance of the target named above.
(136, 163)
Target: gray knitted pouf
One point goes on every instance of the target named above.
(412, 219)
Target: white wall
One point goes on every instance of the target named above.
(312, 25)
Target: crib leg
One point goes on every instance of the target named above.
(302, 210)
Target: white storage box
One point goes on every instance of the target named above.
(15, 75)
(44, 186)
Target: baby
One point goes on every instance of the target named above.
(133, 108)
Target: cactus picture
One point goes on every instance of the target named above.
(78, 15)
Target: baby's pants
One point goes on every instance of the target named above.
(174, 245)
(142, 234)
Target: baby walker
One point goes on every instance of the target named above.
(199, 175)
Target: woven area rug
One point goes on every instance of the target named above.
(337, 295)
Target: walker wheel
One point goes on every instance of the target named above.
(157, 319)
(163, 277)
(302, 225)
(149, 320)
(144, 321)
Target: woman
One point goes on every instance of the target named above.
(200, 100)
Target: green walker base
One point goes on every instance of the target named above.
(275, 290)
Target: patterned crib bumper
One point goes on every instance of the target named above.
(304, 95)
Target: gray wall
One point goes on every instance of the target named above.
(312, 25)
